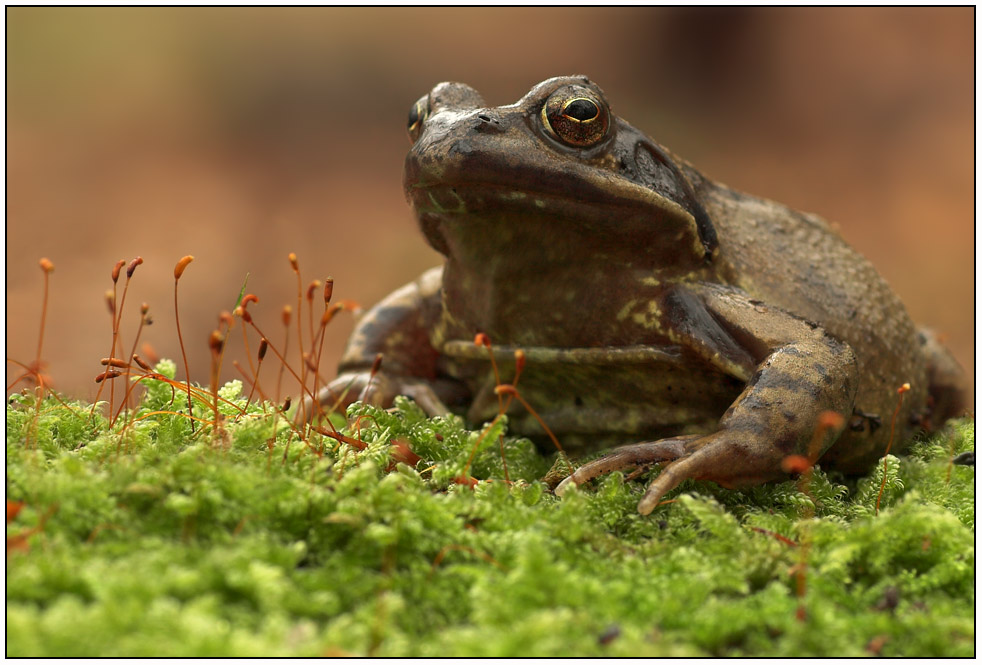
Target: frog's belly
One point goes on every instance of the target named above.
(595, 398)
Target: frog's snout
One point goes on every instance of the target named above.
(455, 96)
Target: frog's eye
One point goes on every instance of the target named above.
(578, 119)
(417, 115)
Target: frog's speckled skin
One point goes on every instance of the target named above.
(653, 305)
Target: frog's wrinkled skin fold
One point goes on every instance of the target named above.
(706, 328)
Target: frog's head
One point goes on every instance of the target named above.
(556, 173)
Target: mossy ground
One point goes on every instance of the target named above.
(151, 540)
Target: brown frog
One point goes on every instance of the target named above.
(709, 328)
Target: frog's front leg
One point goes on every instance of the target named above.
(794, 372)
(398, 329)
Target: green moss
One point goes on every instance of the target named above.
(144, 539)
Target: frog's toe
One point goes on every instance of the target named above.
(695, 465)
(631, 456)
(425, 397)
(336, 396)
(380, 389)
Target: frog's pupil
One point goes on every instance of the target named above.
(413, 115)
(582, 110)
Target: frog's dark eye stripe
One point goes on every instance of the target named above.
(579, 120)
(417, 115)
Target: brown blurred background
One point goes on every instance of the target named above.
(240, 135)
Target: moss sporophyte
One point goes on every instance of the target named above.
(148, 525)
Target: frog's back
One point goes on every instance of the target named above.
(797, 262)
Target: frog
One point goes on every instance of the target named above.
(662, 318)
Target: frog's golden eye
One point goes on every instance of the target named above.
(417, 115)
(576, 119)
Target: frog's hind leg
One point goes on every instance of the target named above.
(795, 373)
(802, 372)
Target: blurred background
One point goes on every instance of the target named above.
(241, 135)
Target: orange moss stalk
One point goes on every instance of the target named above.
(893, 423)
(130, 269)
(804, 465)
(200, 395)
(316, 357)
(376, 366)
(47, 267)
(285, 316)
(144, 321)
(117, 315)
(111, 301)
(226, 319)
(142, 363)
(247, 318)
(178, 271)
(464, 478)
(313, 286)
(326, 317)
(216, 343)
(482, 339)
(508, 389)
(245, 342)
(303, 366)
(301, 433)
(263, 345)
(34, 370)
(18, 541)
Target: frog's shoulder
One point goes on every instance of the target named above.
(734, 203)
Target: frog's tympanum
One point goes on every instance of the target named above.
(708, 329)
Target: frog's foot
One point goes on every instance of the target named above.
(721, 457)
(379, 389)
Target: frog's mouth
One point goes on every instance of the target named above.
(577, 192)
(473, 221)
(500, 189)
(480, 199)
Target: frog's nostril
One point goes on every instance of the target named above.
(487, 123)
